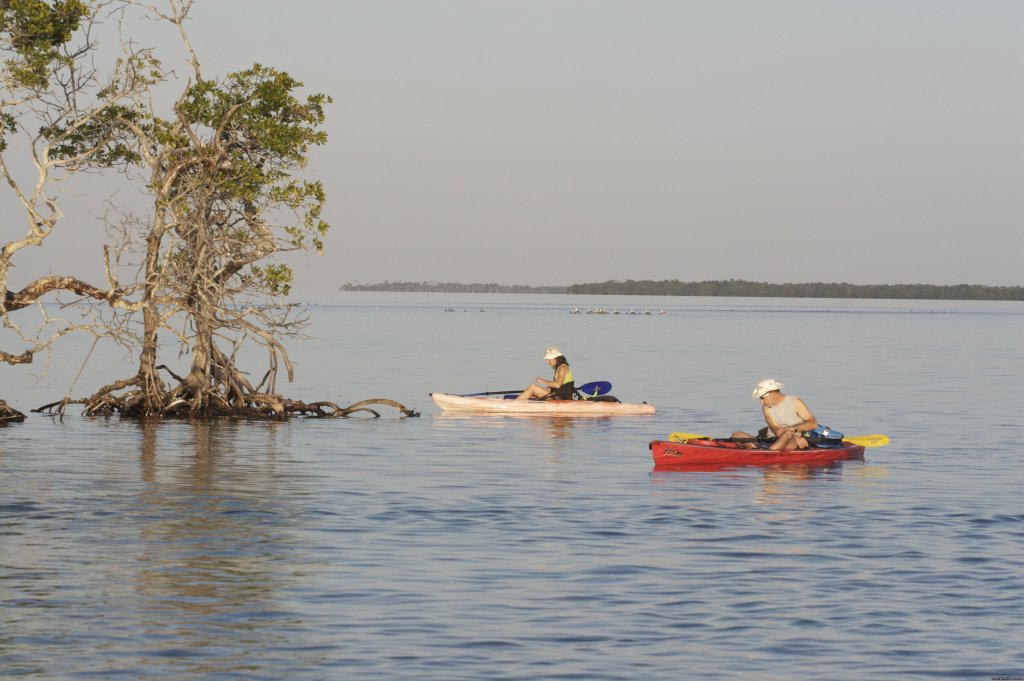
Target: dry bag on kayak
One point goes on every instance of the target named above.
(823, 436)
(602, 398)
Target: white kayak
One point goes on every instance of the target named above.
(488, 405)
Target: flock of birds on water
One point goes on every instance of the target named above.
(615, 310)
(576, 310)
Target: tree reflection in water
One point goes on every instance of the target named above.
(216, 551)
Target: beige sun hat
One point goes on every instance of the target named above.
(766, 386)
(552, 353)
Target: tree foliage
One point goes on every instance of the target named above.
(35, 34)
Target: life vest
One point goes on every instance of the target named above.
(566, 390)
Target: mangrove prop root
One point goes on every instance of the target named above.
(9, 414)
(378, 400)
(186, 402)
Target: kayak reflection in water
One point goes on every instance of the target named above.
(560, 388)
(786, 415)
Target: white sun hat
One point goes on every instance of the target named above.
(552, 353)
(766, 386)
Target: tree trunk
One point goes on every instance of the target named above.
(149, 378)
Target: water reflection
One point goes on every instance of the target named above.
(552, 427)
(773, 480)
(555, 427)
(777, 483)
(783, 480)
(213, 531)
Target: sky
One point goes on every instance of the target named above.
(551, 142)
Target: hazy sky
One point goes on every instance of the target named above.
(563, 141)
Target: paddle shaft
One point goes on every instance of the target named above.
(876, 440)
(591, 389)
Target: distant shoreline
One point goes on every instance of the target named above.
(727, 288)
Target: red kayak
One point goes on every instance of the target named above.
(708, 452)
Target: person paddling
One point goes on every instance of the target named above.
(559, 388)
(786, 415)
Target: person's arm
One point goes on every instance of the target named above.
(808, 423)
(559, 378)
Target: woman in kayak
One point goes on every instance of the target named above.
(787, 417)
(560, 388)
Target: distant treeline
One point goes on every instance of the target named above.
(730, 287)
(740, 288)
(449, 287)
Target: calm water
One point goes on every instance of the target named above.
(524, 548)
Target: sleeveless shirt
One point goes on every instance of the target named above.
(784, 412)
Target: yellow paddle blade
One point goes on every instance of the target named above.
(876, 440)
(683, 437)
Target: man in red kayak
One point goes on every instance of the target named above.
(787, 417)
